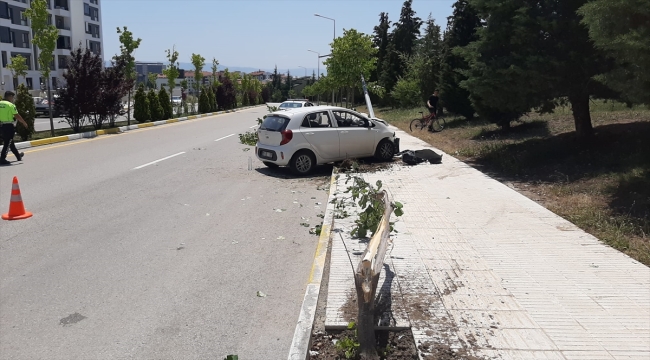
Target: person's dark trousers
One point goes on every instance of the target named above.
(8, 131)
(431, 111)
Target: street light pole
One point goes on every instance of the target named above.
(317, 75)
(325, 17)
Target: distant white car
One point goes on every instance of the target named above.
(176, 100)
(304, 137)
(293, 103)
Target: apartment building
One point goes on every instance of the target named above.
(79, 24)
(143, 69)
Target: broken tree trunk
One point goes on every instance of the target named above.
(366, 279)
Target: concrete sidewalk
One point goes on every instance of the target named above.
(480, 268)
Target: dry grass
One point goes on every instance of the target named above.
(602, 187)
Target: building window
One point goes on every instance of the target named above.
(61, 4)
(96, 2)
(60, 23)
(63, 62)
(4, 59)
(93, 12)
(54, 84)
(30, 83)
(63, 42)
(95, 47)
(5, 35)
(92, 29)
(23, 19)
(4, 10)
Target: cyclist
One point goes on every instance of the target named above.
(432, 105)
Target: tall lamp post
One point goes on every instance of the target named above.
(318, 74)
(325, 17)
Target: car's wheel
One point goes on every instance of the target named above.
(385, 150)
(302, 162)
(270, 164)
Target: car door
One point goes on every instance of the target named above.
(318, 129)
(356, 134)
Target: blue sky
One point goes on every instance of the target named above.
(249, 33)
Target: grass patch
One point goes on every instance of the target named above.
(603, 187)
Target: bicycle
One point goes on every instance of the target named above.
(433, 122)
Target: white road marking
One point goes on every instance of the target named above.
(157, 161)
(254, 126)
(225, 137)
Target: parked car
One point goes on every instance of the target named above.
(305, 137)
(176, 100)
(42, 107)
(294, 103)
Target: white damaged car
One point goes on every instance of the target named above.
(305, 137)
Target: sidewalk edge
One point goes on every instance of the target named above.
(302, 336)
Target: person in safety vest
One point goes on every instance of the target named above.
(8, 113)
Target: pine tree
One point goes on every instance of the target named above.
(204, 103)
(404, 38)
(165, 103)
(461, 30)
(528, 55)
(141, 106)
(380, 41)
(621, 28)
(26, 109)
(429, 53)
(212, 101)
(155, 110)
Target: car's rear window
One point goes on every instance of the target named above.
(290, 105)
(274, 123)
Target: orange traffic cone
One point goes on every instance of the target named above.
(16, 207)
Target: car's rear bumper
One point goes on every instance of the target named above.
(273, 154)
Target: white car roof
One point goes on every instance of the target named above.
(308, 109)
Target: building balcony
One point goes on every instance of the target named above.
(64, 52)
(65, 32)
(60, 12)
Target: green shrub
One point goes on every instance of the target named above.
(165, 103)
(26, 109)
(204, 103)
(141, 106)
(406, 93)
(155, 110)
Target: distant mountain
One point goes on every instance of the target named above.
(189, 66)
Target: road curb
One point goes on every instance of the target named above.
(302, 336)
(118, 130)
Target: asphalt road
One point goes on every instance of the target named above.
(129, 258)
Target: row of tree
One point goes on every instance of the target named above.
(501, 59)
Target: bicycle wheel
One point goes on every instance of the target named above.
(417, 124)
(438, 124)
